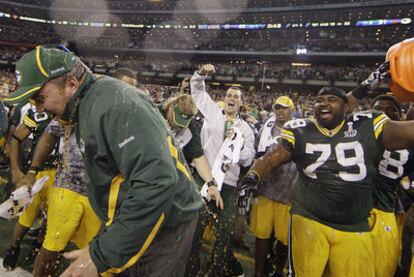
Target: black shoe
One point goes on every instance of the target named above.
(235, 269)
(35, 248)
(270, 266)
(10, 260)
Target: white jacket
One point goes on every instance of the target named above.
(212, 133)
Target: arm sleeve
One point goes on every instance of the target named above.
(136, 141)
(378, 124)
(29, 121)
(15, 118)
(4, 122)
(194, 148)
(203, 101)
(288, 139)
(248, 151)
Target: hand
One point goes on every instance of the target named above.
(81, 264)
(229, 133)
(186, 82)
(214, 194)
(376, 77)
(250, 119)
(26, 180)
(207, 69)
(16, 176)
(246, 192)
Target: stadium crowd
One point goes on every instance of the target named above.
(173, 4)
(237, 68)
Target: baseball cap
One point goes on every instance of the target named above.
(181, 119)
(284, 101)
(36, 68)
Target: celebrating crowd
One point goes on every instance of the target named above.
(133, 174)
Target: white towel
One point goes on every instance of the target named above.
(266, 138)
(228, 155)
(20, 199)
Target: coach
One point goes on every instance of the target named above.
(139, 184)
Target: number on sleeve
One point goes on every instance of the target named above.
(388, 163)
(296, 123)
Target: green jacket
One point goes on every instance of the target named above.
(138, 181)
(4, 121)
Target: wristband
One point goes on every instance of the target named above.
(360, 92)
(212, 183)
(34, 170)
(252, 176)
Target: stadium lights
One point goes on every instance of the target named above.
(227, 26)
(301, 51)
(301, 64)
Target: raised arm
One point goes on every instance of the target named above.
(203, 101)
(367, 86)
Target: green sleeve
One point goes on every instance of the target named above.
(194, 148)
(15, 119)
(4, 122)
(134, 139)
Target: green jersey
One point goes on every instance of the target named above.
(36, 123)
(4, 122)
(336, 168)
(392, 168)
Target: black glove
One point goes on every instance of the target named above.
(372, 82)
(246, 192)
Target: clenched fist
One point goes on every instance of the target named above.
(207, 69)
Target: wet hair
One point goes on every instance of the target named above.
(184, 102)
(124, 71)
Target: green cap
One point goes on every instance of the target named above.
(181, 119)
(37, 67)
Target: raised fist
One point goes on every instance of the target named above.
(207, 69)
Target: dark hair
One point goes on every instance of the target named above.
(388, 98)
(124, 71)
